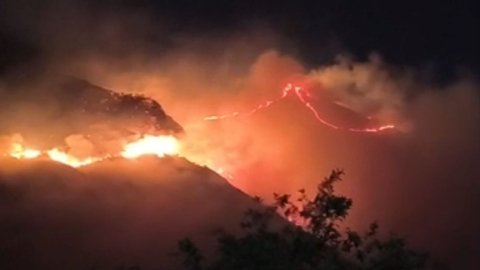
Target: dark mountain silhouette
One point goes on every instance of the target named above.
(110, 213)
(46, 115)
(84, 97)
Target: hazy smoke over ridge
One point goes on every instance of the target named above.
(422, 181)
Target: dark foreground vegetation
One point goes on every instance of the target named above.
(317, 241)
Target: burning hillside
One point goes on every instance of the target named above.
(119, 201)
(49, 113)
(278, 141)
(88, 124)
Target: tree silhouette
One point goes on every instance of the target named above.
(313, 239)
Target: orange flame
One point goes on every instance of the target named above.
(65, 158)
(18, 151)
(168, 145)
(303, 96)
(151, 145)
(148, 145)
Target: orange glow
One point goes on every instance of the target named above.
(17, 151)
(70, 160)
(148, 145)
(303, 96)
(151, 145)
(161, 145)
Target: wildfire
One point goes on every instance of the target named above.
(151, 145)
(148, 145)
(161, 145)
(65, 158)
(18, 151)
(305, 98)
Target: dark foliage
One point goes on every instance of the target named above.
(313, 239)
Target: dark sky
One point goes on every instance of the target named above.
(406, 32)
(439, 34)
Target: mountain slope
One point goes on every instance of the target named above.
(45, 115)
(109, 213)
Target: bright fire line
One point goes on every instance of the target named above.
(304, 97)
(147, 145)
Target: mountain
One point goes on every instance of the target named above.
(111, 213)
(45, 114)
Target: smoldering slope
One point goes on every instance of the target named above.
(421, 181)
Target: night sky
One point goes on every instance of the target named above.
(427, 34)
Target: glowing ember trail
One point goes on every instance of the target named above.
(157, 145)
(304, 97)
(147, 145)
